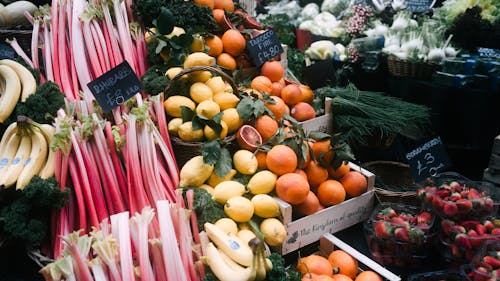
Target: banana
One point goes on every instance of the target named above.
(36, 160)
(230, 244)
(47, 171)
(223, 271)
(8, 153)
(269, 265)
(11, 92)
(16, 166)
(229, 262)
(261, 264)
(11, 130)
(28, 82)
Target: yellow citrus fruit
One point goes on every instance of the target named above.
(265, 206)
(228, 88)
(197, 45)
(200, 76)
(200, 92)
(227, 225)
(216, 84)
(274, 231)
(208, 188)
(199, 59)
(239, 208)
(149, 35)
(227, 61)
(187, 133)
(245, 235)
(173, 105)
(244, 225)
(245, 162)
(195, 172)
(214, 179)
(226, 190)
(232, 119)
(173, 125)
(173, 71)
(176, 32)
(226, 100)
(207, 108)
(210, 134)
(262, 182)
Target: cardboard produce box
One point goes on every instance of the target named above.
(309, 229)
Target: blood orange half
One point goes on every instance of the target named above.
(248, 138)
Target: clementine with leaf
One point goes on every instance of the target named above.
(266, 126)
(281, 159)
(234, 43)
(261, 83)
(354, 183)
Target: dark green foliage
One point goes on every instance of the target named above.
(153, 58)
(471, 31)
(280, 272)
(25, 214)
(284, 28)
(295, 61)
(207, 210)
(154, 80)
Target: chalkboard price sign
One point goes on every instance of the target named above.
(264, 47)
(488, 52)
(6, 52)
(115, 87)
(419, 6)
(429, 159)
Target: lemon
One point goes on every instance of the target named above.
(232, 119)
(200, 92)
(176, 32)
(226, 190)
(208, 109)
(149, 36)
(165, 55)
(214, 179)
(262, 182)
(173, 71)
(207, 187)
(195, 172)
(216, 84)
(173, 125)
(246, 235)
(197, 45)
(274, 231)
(199, 59)
(226, 100)
(239, 208)
(227, 225)
(265, 206)
(245, 162)
(173, 105)
(244, 225)
(210, 134)
(187, 133)
(200, 76)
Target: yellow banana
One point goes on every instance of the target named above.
(36, 160)
(28, 82)
(229, 262)
(11, 92)
(48, 170)
(11, 130)
(224, 272)
(230, 244)
(260, 267)
(8, 153)
(16, 166)
(269, 265)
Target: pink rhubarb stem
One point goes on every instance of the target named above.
(121, 231)
(90, 49)
(103, 43)
(55, 41)
(63, 58)
(34, 44)
(110, 30)
(77, 188)
(117, 164)
(47, 56)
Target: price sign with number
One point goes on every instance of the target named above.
(115, 87)
(429, 159)
(264, 47)
(419, 6)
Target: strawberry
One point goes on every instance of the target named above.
(388, 212)
(472, 233)
(463, 241)
(416, 235)
(494, 262)
(424, 218)
(469, 224)
(398, 221)
(447, 226)
(489, 204)
(401, 234)
(382, 229)
(495, 231)
(458, 229)
(437, 204)
(443, 193)
(488, 225)
(454, 185)
(464, 205)
(481, 229)
(455, 196)
(496, 273)
(473, 194)
(450, 209)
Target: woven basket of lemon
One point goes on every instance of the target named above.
(201, 105)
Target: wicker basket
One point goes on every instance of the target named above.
(403, 68)
(184, 151)
(390, 176)
(22, 35)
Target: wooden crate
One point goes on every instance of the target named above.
(323, 123)
(492, 173)
(328, 243)
(308, 229)
(249, 6)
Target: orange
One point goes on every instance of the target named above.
(323, 278)
(291, 94)
(266, 126)
(292, 188)
(248, 138)
(307, 93)
(301, 172)
(343, 263)
(316, 174)
(282, 82)
(276, 88)
(281, 159)
(340, 171)
(226, 5)
(214, 44)
(227, 61)
(218, 16)
(309, 206)
(309, 277)
(354, 183)
(331, 192)
(208, 3)
(234, 43)
(261, 83)
(320, 147)
(302, 112)
(341, 277)
(272, 70)
(368, 275)
(278, 108)
(261, 159)
(314, 264)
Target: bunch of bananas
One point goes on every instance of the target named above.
(16, 82)
(24, 153)
(230, 259)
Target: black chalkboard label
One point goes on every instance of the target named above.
(488, 52)
(427, 160)
(362, 2)
(264, 47)
(115, 87)
(419, 6)
(6, 52)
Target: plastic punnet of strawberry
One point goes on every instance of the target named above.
(486, 262)
(438, 276)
